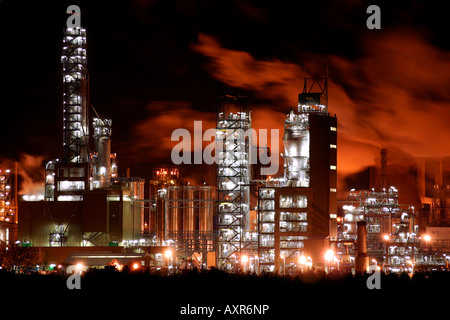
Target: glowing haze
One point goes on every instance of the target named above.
(386, 98)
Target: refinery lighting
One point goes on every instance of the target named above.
(302, 260)
(224, 215)
(168, 253)
(80, 267)
(329, 255)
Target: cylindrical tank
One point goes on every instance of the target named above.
(174, 195)
(188, 212)
(206, 209)
(102, 135)
(104, 161)
(361, 259)
(160, 221)
(296, 141)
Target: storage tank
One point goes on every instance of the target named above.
(296, 141)
(206, 209)
(102, 135)
(189, 212)
(174, 211)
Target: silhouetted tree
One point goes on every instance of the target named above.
(17, 258)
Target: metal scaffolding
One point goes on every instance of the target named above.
(440, 206)
(391, 230)
(233, 142)
(75, 97)
(7, 198)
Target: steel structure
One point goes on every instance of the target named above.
(296, 213)
(233, 142)
(75, 97)
(101, 164)
(8, 207)
(440, 206)
(313, 99)
(282, 227)
(7, 200)
(189, 222)
(391, 230)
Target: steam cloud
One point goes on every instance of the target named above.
(388, 97)
(30, 170)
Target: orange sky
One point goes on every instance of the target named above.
(394, 96)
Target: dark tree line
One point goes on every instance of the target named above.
(17, 258)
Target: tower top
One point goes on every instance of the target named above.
(314, 98)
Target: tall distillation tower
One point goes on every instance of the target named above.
(233, 141)
(83, 166)
(297, 214)
(75, 96)
(310, 142)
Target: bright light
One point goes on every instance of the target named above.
(426, 237)
(80, 267)
(135, 266)
(168, 253)
(118, 266)
(329, 255)
(244, 259)
(302, 260)
(386, 237)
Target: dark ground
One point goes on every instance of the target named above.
(108, 293)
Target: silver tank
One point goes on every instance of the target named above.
(206, 209)
(188, 212)
(296, 141)
(174, 210)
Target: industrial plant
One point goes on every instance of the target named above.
(246, 222)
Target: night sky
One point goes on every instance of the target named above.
(155, 66)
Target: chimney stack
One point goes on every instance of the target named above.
(361, 260)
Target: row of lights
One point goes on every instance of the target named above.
(426, 237)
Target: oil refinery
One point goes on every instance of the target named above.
(282, 224)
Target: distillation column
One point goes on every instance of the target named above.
(296, 150)
(233, 141)
(102, 165)
(75, 97)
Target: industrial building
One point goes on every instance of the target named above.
(233, 143)
(391, 231)
(8, 207)
(246, 222)
(399, 236)
(297, 214)
(86, 203)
